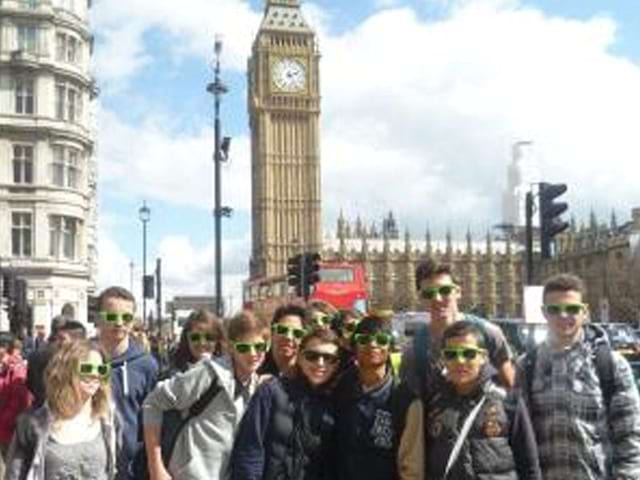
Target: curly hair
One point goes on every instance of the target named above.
(62, 378)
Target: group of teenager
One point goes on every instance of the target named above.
(312, 395)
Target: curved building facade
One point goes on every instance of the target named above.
(48, 212)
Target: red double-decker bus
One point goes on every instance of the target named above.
(342, 284)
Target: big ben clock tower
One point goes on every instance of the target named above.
(284, 111)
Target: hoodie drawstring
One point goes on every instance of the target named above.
(125, 379)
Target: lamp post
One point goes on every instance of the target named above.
(221, 152)
(144, 213)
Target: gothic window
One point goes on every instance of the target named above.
(63, 234)
(24, 92)
(21, 234)
(23, 164)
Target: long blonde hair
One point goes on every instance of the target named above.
(61, 382)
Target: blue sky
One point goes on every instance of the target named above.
(473, 77)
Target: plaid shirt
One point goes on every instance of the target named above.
(577, 437)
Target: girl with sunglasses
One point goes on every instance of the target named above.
(202, 336)
(288, 426)
(221, 387)
(499, 442)
(74, 435)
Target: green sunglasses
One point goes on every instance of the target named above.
(321, 319)
(245, 347)
(462, 354)
(115, 317)
(287, 331)
(442, 290)
(102, 370)
(199, 337)
(381, 339)
(568, 308)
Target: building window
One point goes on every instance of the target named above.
(27, 38)
(21, 234)
(63, 234)
(65, 169)
(24, 96)
(67, 48)
(68, 103)
(22, 164)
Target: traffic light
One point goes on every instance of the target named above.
(295, 273)
(311, 272)
(9, 286)
(550, 210)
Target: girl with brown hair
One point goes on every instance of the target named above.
(73, 435)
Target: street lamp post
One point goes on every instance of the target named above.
(221, 152)
(144, 214)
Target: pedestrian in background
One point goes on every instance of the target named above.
(75, 434)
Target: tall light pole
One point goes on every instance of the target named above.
(221, 152)
(144, 213)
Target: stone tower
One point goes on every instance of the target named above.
(284, 111)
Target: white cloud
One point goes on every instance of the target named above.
(188, 28)
(418, 115)
(176, 166)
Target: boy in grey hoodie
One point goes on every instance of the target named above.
(203, 446)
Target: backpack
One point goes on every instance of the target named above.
(422, 341)
(172, 425)
(602, 356)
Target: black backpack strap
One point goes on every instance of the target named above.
(530, 359)
(205, 399)
(606, 371)
(401, 399)
(421, 344)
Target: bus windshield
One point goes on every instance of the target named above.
(336, 275)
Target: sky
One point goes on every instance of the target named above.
(422, 101)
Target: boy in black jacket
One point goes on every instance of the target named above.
(373, 439)
(500, 443)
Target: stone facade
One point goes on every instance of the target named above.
(284, 112)
(491, 272)
(48, 210)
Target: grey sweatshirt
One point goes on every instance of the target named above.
(203, 447)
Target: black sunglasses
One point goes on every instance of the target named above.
(314, 356)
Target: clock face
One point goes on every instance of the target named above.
(289, 75)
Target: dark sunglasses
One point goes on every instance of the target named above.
(114, 317)
(463, 354)
(350, 327)
(287, 331)
(87, 369)
(199, 337)
(313, 356)
(568, 308)
(381, 339)
(245, 347)
(432, 292)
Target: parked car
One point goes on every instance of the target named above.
(623, 339)
(520, 334)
